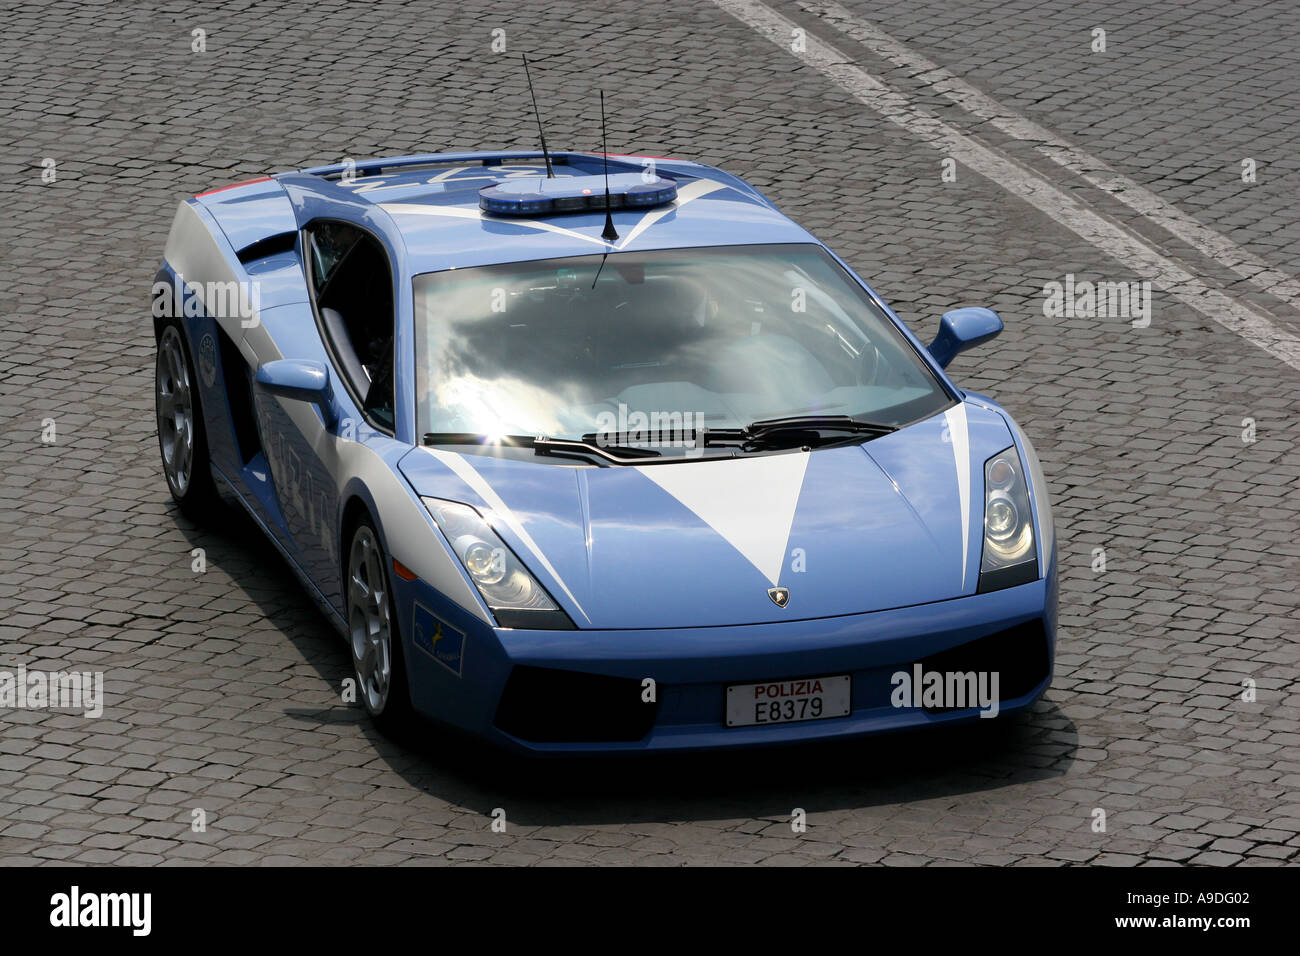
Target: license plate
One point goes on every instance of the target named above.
(789, 701)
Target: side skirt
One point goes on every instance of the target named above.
(230, 492)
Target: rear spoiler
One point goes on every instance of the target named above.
(593, 162)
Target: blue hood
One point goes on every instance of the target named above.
(891, 523)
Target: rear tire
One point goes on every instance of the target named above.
(182, 437)
(374, 638)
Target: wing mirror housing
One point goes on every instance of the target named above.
(962, 329)
(300, 381)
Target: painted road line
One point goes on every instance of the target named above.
(1114, 240)
(1088, 167)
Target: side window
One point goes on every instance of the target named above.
(330, 242)
(353, 288)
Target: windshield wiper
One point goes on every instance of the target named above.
(810, 430)
(587, 446)
(682, 438)
(542, 445)
(825, 422)
(614, 448)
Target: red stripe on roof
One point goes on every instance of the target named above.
(246, 182)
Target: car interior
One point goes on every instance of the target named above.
(353, 292)
(662, 341)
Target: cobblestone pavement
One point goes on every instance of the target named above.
(221, 686)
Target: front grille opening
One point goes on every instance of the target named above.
(545, 705)
(1018, 655)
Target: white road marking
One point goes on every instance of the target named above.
(1089, 168)
(1115, 241)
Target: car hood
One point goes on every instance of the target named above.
(890, 523)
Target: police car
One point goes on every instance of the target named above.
(587, 453)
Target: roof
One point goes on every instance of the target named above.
(434, 203)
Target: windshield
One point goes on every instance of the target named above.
(672, 339)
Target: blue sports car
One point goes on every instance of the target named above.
(587, 453)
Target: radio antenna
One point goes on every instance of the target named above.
(550, 173)
(610, 234)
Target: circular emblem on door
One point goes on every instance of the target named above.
(208, 359)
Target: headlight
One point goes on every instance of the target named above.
(513, 594)
(1010, 556)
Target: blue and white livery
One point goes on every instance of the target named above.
(618, 459)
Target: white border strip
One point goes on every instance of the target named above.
(959, 435)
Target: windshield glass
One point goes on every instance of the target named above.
(682, 338)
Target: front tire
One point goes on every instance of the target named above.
(182, 438)
(373, 635)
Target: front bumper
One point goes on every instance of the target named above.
(691, 667)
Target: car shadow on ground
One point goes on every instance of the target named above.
(565, 791)
(761, 782)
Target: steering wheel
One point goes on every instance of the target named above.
(867, 365)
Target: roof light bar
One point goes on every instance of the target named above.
(537, 195)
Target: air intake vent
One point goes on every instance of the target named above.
(270, 246)
(545, 705)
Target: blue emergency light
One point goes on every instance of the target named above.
(538, 195)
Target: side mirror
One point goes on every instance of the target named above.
(301, 381)
(962, 329)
